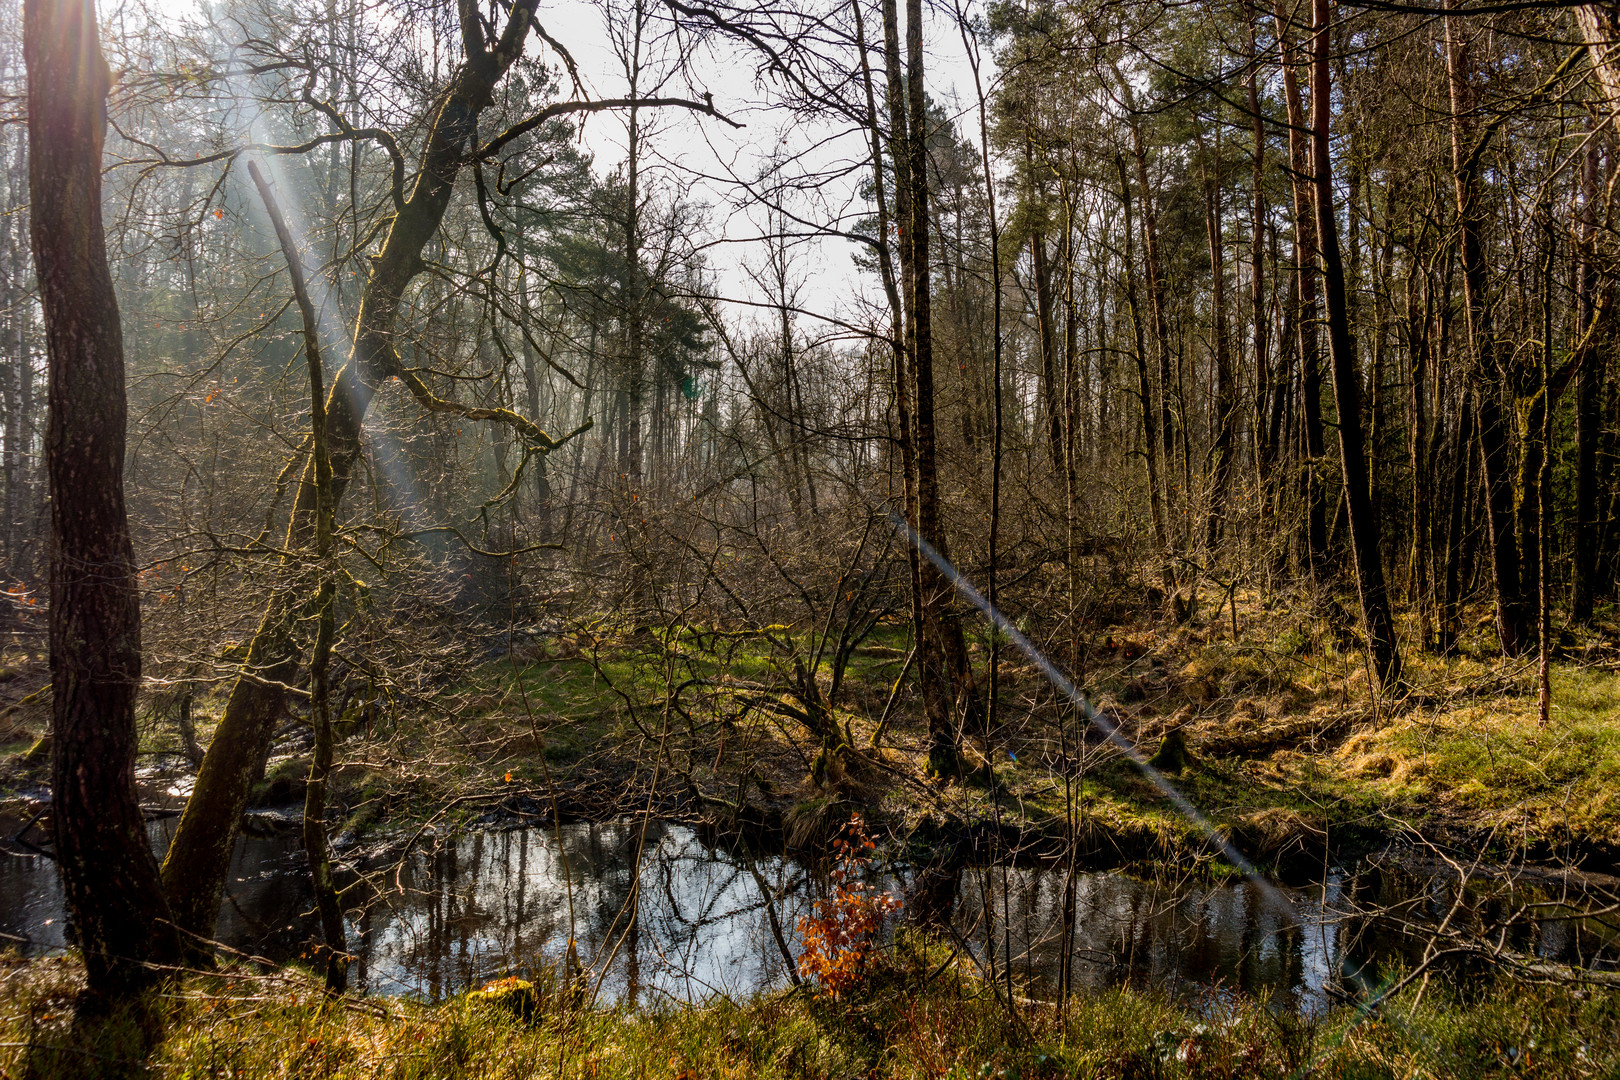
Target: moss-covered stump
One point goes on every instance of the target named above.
(513, 995)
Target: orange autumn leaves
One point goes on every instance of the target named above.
(840, 935)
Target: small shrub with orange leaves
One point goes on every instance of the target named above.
(841, 933)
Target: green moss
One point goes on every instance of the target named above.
(39, 752)
(283, 783)
(516, 997)
(1173, 755)
(1496, 760)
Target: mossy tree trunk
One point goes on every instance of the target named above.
(320, 768)
(194, 872)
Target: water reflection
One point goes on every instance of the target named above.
(659, 916)
(478, 905)
(1346, 936)
(1185, 940)
(487, 903)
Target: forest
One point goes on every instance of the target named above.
(810, 538)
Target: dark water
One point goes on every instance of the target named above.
(463, 909)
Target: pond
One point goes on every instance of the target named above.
(461, 909)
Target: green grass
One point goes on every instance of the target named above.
(1494, 760)
(1470, 756)
(255, 1026)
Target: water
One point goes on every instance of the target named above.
(460, 910)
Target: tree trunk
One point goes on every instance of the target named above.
(936, 592)
(108, 873)
(320, 768)
(1315, 538)
(1599, 26)
(931, 660)
(199, 856)
(1225, 416)
(1144, 393)
(1462, 464)
(531, 385)
(1265, 450)
(1512, 614)
(1420, 462)
(1048, 339)
(1364, 525)
(1588, 405)
(1158, 303)
(17, 367)
(1071, 441)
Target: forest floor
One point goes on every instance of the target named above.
(1290, 753)
(910, 1019)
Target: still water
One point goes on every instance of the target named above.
(662, 916)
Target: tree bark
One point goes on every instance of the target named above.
(1315, 538)
(119, 913)
(933, 680)
(1265, 451)
(1462, 463)
(1419, 458)
(1144, 393)
(1588, 405)
(936, 592)
(1364, 524)
(1048, 337)
(1599, 26)
(1158, 304)
(1225, 404)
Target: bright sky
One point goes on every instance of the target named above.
(700, 156)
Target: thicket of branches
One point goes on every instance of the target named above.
(1183, 300)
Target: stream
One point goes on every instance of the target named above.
(461, 909)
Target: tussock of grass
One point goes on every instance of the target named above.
(281, 1026)
(1491, 761)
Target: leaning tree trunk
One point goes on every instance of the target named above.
(199, 857)
(108, 872)
(315, 845)
(1364, 525)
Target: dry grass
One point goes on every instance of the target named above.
(258, 1027)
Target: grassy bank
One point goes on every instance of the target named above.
(263, 1026)
(1291, 753)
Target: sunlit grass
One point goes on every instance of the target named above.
(1290, 746)
(902, 1025)
(1493, 758)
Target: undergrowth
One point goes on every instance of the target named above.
(901, 1023)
